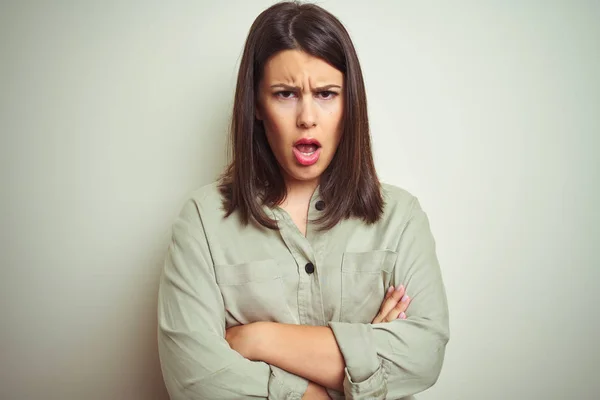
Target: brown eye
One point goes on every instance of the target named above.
(285, 94)
(327, 95)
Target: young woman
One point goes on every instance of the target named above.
(290, 277)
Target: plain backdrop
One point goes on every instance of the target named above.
(112, 112)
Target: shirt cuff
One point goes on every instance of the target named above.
(366, 374)
(286, 386)
(335, 395)
(374, 388)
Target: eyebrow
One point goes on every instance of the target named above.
(297, 88)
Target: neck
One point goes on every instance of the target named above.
(297, 201)
(300, 191)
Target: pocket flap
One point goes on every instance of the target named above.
(369, 261)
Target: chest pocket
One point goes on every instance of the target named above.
(252, 292)
(365, 279)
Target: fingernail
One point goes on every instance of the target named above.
(390, 289)
(402, 315)
(399, 288)
(404, 298)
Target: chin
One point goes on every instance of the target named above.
(305, 174)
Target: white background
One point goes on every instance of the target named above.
(111, 112)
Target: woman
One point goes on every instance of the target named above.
(287, 278)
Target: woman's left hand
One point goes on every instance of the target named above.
(394, 305)
(246, 339)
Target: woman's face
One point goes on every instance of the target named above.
(300, 103)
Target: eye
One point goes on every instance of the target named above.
(327, 94)
(285, 95)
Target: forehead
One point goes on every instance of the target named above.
(297, 67)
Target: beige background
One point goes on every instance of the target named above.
(111, 112)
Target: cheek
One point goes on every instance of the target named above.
(334, 121)
(279, 123)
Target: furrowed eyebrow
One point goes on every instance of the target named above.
(297, 89)
(327, 87)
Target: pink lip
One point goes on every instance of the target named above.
(305, 159)
(307, 141)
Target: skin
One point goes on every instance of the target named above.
(307, 351)
(300, 97)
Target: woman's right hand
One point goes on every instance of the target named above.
(394, 305)
(315, 392)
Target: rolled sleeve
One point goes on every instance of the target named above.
(357, 345)
(403, 357)
(365, 373)
(285, 385)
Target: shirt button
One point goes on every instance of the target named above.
(320, 205)
(309, 268)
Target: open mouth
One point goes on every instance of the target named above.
(307, 151)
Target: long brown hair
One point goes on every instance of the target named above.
(349, 186)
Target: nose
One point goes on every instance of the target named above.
(307, 117)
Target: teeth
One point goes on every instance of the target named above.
(308, 154)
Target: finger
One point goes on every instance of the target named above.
(398, 310)
(380, 315)
(390, 301)
(389, 292)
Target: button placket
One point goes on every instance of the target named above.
(317, 239)
(302, 252)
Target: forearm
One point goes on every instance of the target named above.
(307, 351)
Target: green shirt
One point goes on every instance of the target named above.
(219, 273)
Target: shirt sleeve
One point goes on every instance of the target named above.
(403, 357)
(196, 360)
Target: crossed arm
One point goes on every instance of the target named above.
(311, 352)
(378, 360)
